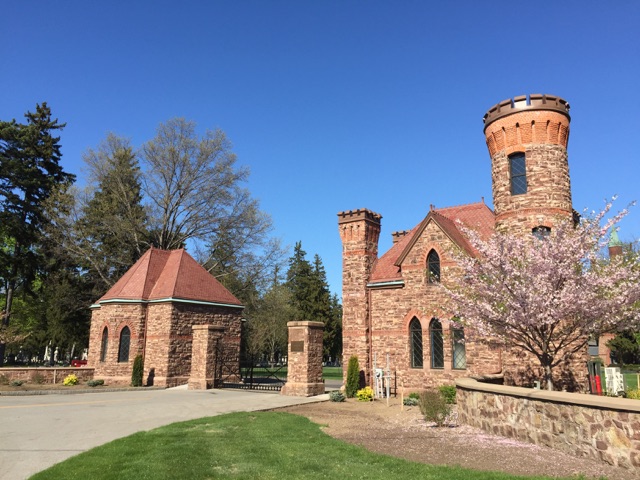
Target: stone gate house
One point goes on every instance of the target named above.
(151, 311)
(394, 304)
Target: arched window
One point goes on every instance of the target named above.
(518, 171)
(459, 354)
(125, 342)
(415, 339)
(437, 344)
(433, 267)
(104, 344)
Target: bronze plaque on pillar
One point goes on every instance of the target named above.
(297, 346)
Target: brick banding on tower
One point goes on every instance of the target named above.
(538, 127)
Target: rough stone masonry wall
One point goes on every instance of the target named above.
(543, 136)
(601, 428)
(548, 197)
(156, 350)
(183, 317)
(393, 308)
(115, 317)
(52, 375)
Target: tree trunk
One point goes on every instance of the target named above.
(5, 319)
(548, 380)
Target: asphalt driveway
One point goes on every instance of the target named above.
(41, 430)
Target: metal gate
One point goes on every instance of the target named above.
(239, 371)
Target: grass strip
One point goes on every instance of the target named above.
(259, 445)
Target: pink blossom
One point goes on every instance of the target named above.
(547, 296)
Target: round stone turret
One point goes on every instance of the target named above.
(527, 138)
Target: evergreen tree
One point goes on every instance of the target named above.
(30, 171)
(300, 284)
(64, 294)
(625, 347)
(333, 330)
(112, 230)
(312, 299)
(353, 377)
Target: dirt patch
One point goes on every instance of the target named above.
(402, 432)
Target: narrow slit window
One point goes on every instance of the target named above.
(125, 343)
(104, 344)
(437, 344)
(415, 335)
(433, 267)
(459, 357)
(517, 166)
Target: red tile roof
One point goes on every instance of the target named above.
(169, 274)
(475, 215)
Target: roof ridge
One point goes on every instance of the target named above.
(480, 203)
(180, 255)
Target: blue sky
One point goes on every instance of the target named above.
(337, 105)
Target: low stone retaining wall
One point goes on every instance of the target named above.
(603, 428)
(46, 374)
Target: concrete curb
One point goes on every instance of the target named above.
(25, 393)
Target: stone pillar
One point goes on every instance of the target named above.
(203, 356)
(304, 369)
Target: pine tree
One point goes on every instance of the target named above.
(333, 330)
(312, 299)
(300, 284)
(30, 172)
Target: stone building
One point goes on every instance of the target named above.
(151, 311)
(393, 304)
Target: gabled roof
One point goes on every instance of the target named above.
(169, 275)
(477, 216)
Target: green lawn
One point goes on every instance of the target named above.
(332, 373)
(630, 381)
(328, 373)
(261, 445)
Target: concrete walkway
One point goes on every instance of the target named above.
(39, 431)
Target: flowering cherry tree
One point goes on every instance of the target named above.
(547, 295)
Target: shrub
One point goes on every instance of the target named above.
(336, 396)
(434, 407)
(635, 394)
(365, 394)
(95, 383)
(410, 401)
(16, 383)
(449, 393)
(70, 380)
(353, 377)
(415, 395)
(38, 379)
(137, 372)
